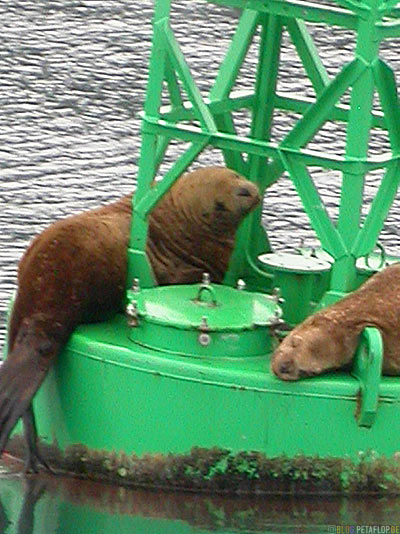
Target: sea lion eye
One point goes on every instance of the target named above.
(244, 192)
(295, 341)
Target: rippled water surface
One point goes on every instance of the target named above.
(72, 80)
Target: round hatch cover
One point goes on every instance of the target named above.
(298, 263)
(203, 320)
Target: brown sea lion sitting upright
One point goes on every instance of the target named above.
(75, 271)
(328, 339)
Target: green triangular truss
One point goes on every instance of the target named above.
(208, 121)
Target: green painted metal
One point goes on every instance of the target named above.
(368, 369)
(190, 368)
(302, 281)
(305, 283)
(137, 415)
(111, 394)
(204, 320)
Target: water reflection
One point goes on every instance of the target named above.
(59, 505)
(24, 520)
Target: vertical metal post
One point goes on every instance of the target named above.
(138, 264)
(226, 79)
(251, 239)
(358, 132)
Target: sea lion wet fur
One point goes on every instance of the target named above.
(75, 271)
(328, 339)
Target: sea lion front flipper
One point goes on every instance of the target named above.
(34, 459)
(21, 375)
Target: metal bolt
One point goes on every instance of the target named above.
(136, 285)
(132, 313)
(241, 284)
(206, 279)
(276, 296)
(204, 325)
(204, 339)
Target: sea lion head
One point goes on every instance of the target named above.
(314, 347)
(192, 229)
(216, 197)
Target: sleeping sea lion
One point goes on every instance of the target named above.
(75, 272)
(328, 339)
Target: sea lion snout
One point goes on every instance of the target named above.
(225, 198)
(313, 347)
(284, 366)
(286, 369)
(294, 358)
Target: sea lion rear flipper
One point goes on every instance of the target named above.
(17, 387)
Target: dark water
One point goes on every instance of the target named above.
(72, 81)
(56, 505)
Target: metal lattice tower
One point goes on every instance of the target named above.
(256, 156)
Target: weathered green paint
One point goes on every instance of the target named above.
(368, 369)
(109, 393)
(204, 320)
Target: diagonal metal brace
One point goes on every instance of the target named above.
(367, 369)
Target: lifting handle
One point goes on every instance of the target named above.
(206, 295)
(367, 369)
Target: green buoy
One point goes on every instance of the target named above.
(179, 394)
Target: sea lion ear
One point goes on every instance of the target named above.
(312, 321)
(295, 341)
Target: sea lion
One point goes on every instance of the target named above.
(328, 339)
(75, 272)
